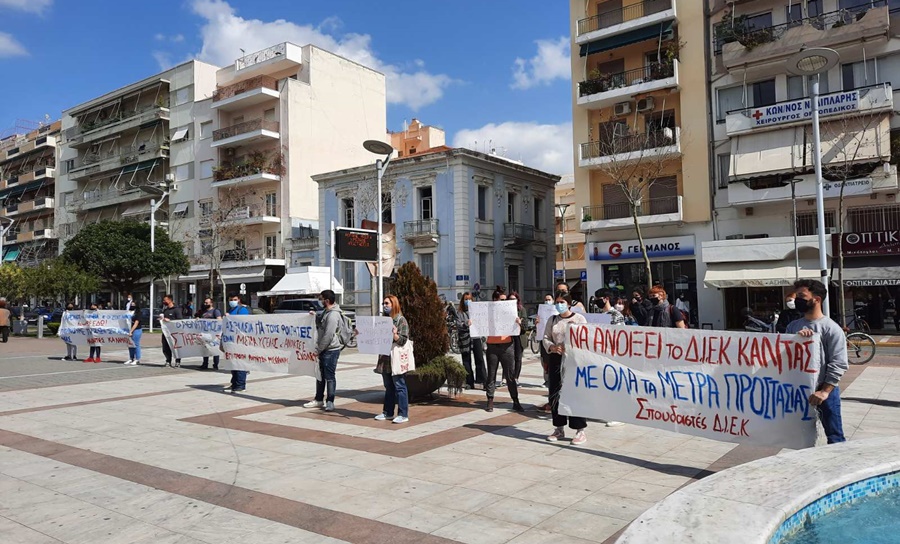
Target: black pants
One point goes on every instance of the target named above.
(501, 355)
(555, 367)
(4, 334)
(167, 351)
(476, 351)
(519, 350)
(215, 362)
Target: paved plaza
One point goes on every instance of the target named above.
(103, 454)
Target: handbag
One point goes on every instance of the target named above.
(379, 367)
(402, 359)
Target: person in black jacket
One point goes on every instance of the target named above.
(789, 314)
(640, 308)
(170, 313)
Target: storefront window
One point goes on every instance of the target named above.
(678, 278)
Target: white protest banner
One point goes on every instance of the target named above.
(96, 328)
(598, 319)
(729, 386)
(193, 337)
(283, 343)
(494, 318)
(376, 334)
(545, 312)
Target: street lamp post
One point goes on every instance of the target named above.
(155, 205)
(561, 208)
(379, 148)
(815, 61)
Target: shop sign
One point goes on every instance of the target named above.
(676, 246)
(862, 244)
(800, 110)
(871, 283)
(832, 189)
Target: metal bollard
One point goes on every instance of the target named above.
(40, 326)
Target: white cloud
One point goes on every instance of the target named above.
(160, 37)
(163, 59)
(10, 47)
(551, 62)
(175, 38)
(225, 34)
(34, 6)
(545, 147)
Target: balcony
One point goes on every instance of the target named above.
(279, 57)
(630, 148)
(94, 163)
(251, 215)
(249, 92)
(44, 172)
(871, 178)
(655, 212)
(43, 142)
(258, 169)
(608, 89)
(624, 19)
(88, 132)
(92, 200)
(241, 257)
(304, 244)
(19, 208)
(742, 46)
(245, 133)
(517, 235)
(421, 232)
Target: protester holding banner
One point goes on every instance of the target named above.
(328, 348)
(663, 314)
(564, 287)
(604, 304)
(395, 392)
(134, 353)
(624, 308)
(827, 397)
(94, 351)
(519, 341)
(545, 364)
(170, 313)
(238, 377)
(500, 353)
(554, 341)
(469, 347)
(210, 312)
(641, 308)
(71, 349)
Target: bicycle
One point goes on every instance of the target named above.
(532, 336)
(858, 323)
(860, 348)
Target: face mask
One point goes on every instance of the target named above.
(803, 305)
(548, 302)
(232, 303)
(654, 301)
(562, 307)
(467, 302)
(386, 310)
(790, 304)
(129, 299)
(620, 307)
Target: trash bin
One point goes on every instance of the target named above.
(20, 328)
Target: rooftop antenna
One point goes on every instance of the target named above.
(242, 51)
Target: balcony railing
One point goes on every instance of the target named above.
(518, 232)
(258, 82)
(622, 15)
(260, 56)
(629, 143)
(422, 227)
(144, 114)
(736, 30)
(607, 82)
(653, 206)
(243, 128)
(230, 255)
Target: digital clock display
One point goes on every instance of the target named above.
(356, 245)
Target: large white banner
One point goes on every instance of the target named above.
(729, 386)
(283, 343)
(193, 337)
(375, 334)
(494, 318)
(96, 328)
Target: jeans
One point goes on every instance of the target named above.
(167, 351)
(94, 353)
(555, 369)
(135, 353)
(477, 350)
(519, 351)
(71, 351)
(215, 362)
(501, 355)
(327, 368)
(4, 334)
(395, 393)
(830, 415)
(239, 379)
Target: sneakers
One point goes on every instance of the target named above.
(381, 417)
(401, 419)
(89, 360)
(614, 424)
(128, 362)
(238, 390)
(329, 406)
(314, 404)
(580, 438)
(558, 434)
(97, 360)
(518, 407)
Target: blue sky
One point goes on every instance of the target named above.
(481, 69)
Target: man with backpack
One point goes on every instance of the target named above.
(333, 336)
(663, 314)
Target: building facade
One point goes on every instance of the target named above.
(640, 129)
(27, 181)
(763, 153)
(469, 220)
(570, 246)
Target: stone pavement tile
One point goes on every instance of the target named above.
(365, 504)
(539, 536)
(553, 494)
(662, 477)
(638, 490)
(475, 529)
(398, 487)
(612, 506)
(532, 471)
(460, 498)
(582, 481)
(592, 527)
(499, 484)
(452, 476)
(519, 512)
(423, 517)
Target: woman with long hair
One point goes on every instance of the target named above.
(625, 308)
(519, 341)
(500, 354)
(395, 392)
(134, 354)
(468, 346)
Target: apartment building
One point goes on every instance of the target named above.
(469, 220)
(570, 249)
(640, 129)
(276, 117)
(27, 179)
(763, 155)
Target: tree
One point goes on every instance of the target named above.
(12, 281)
(634, 161)
(424, 311)
(58, 279)
(119, 253)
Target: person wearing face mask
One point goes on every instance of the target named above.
(519, 341)
(662, 313)
(789, 314)
(827, 397)
(500, 354)
(129, 302)
(469, 347)
(625, 308)
(395, 392)
(554, 341)
(238, 377)
(641, 308)
(565, 289)
(209, 312)
(604, 305)
(548, 300)
(94, 352)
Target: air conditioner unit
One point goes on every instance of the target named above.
(645, 104)
(622, 108)
(830, 230)
(735, 237)
(667, 35)
(755, 236)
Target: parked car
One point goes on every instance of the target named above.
(32, 315)
(145, 318)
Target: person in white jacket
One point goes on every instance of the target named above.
(554, 343)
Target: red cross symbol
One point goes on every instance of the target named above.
(756, 115)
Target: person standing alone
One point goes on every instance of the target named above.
(4, 321)
(395, 391)
(238, 377)
(328, 348)
(170, 313)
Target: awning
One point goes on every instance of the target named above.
(196, 276)
(240, 275)
(758, 274)
(653, 32)
(180, 134)
(137, 209)
(11, 255)
(780, 151)
(871, 272)
(314, 279)
(181, 209)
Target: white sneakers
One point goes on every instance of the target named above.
(314, 404)
(614, 424)
(329, 406)
(401, 419)
(579, 438)
(384, 417)
(131, 362)
(380, 417)
(559, 433)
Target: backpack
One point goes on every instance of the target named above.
(344, 330)
(684, 317)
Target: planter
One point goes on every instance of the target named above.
(421, 389)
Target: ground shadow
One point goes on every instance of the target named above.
(876, 402)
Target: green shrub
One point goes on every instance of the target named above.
(53, 328)
(444, 367)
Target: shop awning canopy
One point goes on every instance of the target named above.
(654, 32)
(871, 272)
(758, 274)
(305, 281)
(241, 275)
